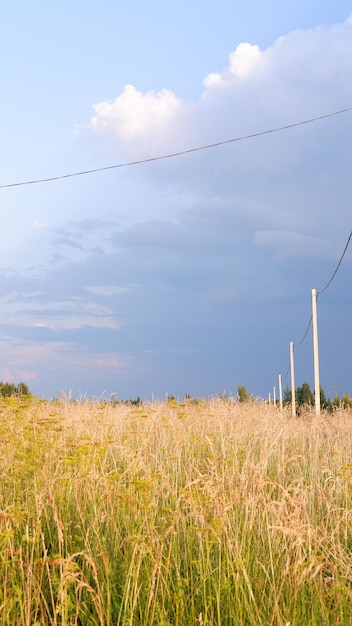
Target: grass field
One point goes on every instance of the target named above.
(207, 512)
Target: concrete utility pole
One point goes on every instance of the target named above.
(315, 352)
(293, 393)
(280, 392)
(274, 395)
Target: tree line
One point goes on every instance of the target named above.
(10, 389)
(305, 397)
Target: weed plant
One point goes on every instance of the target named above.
(174, 514)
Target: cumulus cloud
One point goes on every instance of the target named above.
(303, 74)
(136, 117)
(243, 62)
(294, 76)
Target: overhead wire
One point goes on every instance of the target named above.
(297, 345)
(176, 154)
(287, 371)
(337, 267)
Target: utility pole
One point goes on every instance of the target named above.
(293, 393)
(315, 352)
(280, 391)
(274, 395)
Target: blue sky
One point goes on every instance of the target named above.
(185, 275)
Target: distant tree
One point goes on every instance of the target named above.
(22, 390)
(7, 389)
(346, 400)
(137, 402)
(335, 402)
(287, 399)
(10, 389)
(304, 395)
(324, 402)
(242, 394)
(339, 403)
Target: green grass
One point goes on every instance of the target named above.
(208, 513)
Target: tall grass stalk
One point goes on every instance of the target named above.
(175, 514)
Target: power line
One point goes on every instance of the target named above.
(175, 154)
(322, 291)
(287, 371)
(306, 333)
(338, 266)
(297, 345)
(326, 286)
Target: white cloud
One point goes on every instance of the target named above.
(133, 115)
(214, 79)
(243, 62)
(41, 325)
(303, 74)
(245, 59)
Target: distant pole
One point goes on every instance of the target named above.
(293, 393)
(269, 398)
(280, 391)
(315, 352)
(274, 395)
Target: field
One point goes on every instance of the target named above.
(207, 512)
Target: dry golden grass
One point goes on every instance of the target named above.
(174, 514)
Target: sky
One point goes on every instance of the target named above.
(189, 274)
